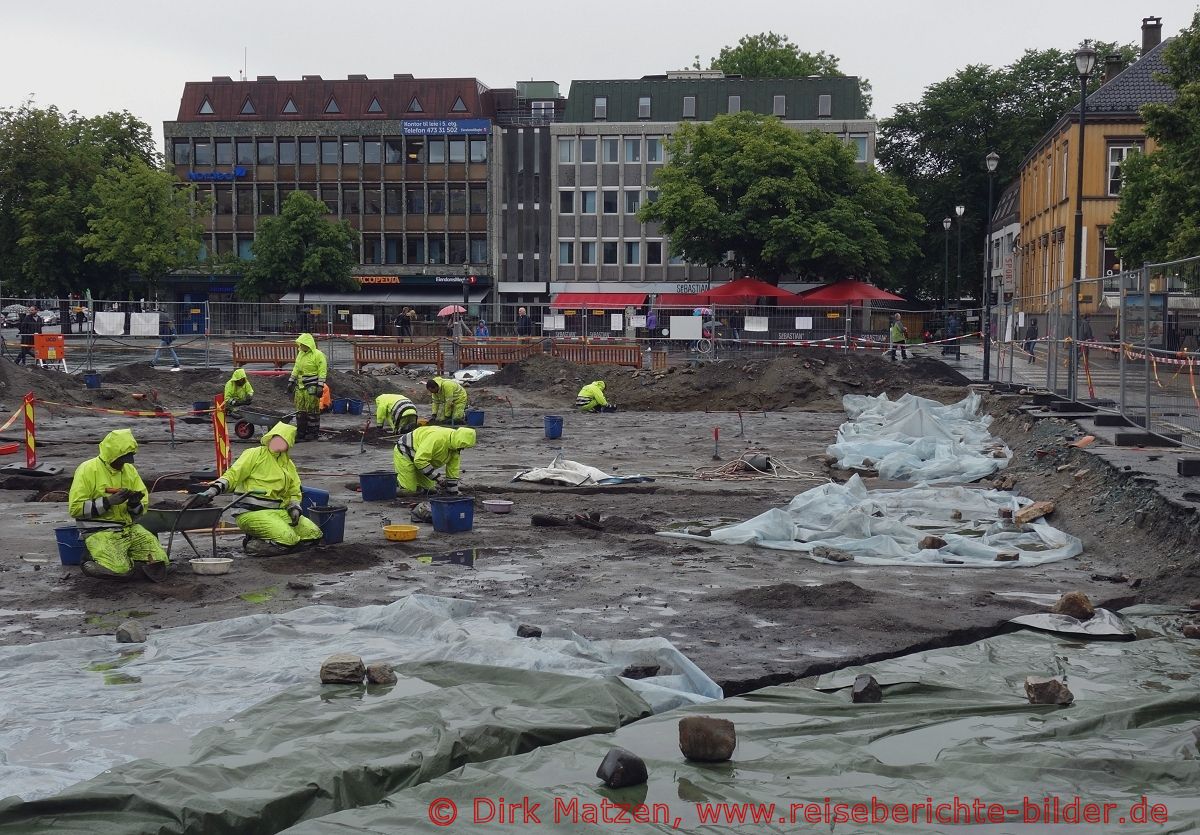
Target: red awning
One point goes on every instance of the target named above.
(680, 300)
(841, 292)
(598, 301)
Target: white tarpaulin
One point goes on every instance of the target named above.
(562, 471)
(885, 527)
(915, 439)
(72, 708)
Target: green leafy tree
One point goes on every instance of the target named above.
(300, 248)
(782, 202)
(936, 147)
(141, 221)
(1158, 218)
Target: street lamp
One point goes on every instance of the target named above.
(1085, 62)
(992, 160)
(958, 210)
(946, 264)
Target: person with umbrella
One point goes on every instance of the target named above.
(305, 384)
(449, 400)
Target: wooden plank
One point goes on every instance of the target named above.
(1034, 511)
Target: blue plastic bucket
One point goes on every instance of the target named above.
(339, 405)
(199, 406)
(331, 521)
(452, 515)
(474, 417)
(378, 486)
(553, 426)
(354, 407)
(70, 545)
(311, 497)
(92, 381)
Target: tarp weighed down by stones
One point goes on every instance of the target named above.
(954, 723)
(885, 527)
(916, 439)
(574, 474)
(72, 708)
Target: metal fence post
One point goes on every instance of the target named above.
(207, 331)
(1122, 310)
(1146, 336)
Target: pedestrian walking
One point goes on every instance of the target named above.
(897, 335)
(1031, 338)
(166, 335)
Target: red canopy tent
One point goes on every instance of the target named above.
(748, 291)
(848, 291)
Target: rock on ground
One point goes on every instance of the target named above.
(131, 632)
(707, 739)
(622, 768)
(342, 668)
(866, 690)
(1047, 691)
(380, 673)
(527, 631)
(1075, 604)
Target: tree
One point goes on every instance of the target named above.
(300, 249)
(936, 146)
(771, 55)
(141, 221)
(1158, 217)
(781, 201)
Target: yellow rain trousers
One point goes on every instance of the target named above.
(423, 451)
(309, 373)
(449, 401)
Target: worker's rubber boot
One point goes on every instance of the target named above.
(93, 569)
(301, 426)
(314, 427)
(263, 547)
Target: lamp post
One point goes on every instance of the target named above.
(958, 210)
(946, 265)
(1085, 62)
(992, 160)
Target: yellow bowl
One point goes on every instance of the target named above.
(400, 533)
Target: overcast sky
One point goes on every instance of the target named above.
(136, 54)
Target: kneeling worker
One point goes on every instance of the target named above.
(449, 401)
(272, 520)
(395, 413)
(238, 391)
(107, 496)
(591, 398)
(419, 454)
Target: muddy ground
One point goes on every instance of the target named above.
(747, 616)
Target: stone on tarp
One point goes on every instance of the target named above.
(1034, 511)
(1047, 691)
(621, 768)
(1075, 604)
(1007, 556)
(866, 690)
(380, 673)
(638, 671)
(343, 668)
(525, 630)
(931, 542)
(824, 552)
(131, 632)
(1192, 630)
(707, 739)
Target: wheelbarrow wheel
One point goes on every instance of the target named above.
(244, 429)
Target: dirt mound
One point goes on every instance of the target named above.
(809, 378)
(790, 596)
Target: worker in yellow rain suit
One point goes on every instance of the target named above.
(272, 520)
(305, 384)
(591, 398)
(449, 401)
(106, 498)
(419, 454)
(238, 391)
(395, 413)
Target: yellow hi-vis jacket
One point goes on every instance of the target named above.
(94, 478)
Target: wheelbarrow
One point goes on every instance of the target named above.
(182, 520)
(247, 419)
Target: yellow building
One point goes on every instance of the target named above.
(1113, 130)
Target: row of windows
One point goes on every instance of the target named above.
(308, 150)
(583, 201)
(609, 250)
(416, 199)
(1043, 177)
(610, 149)
(733, 104)
(413, 250)
(331, 106)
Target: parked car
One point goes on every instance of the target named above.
(48, 317)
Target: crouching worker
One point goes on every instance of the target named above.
(591, 398)
(449, 401)
(395, 413)
(238, 391)
(419, 454)
(271, 520)
(107, 496)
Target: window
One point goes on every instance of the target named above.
(1046, 163)
(245, 152)
(479, 249)
(414, 149)
(859, 143)
(205, 108)
(458, 200)
(587, 149)
(654, 149)
(374, 106)
(1117, 154)
(371, 251)
(651, 195)
(224, 200)
(458, 250)
(587, 201)
(393, 200)
(611, 202)
(654, 252)
(436, 150)
(414, 252)
(566, 202)
(566, 252)
(371, 151)
(245, 248)
(600, 107)
(414, 200)
(247, 108)
(329, 196)
(266, 200)
(351, 200)
(825, 105)
(779, 105)
(308, 152)
(182, 151)
(224, 152)
(332, 106)
(393, 150)
(542, 109)
(458, 150)
(393, 249)
(587, 252)
(478, 150)
(329, 151)
(287, 151)
(459, 106)
(436, 248)
(609, 149)
(266, 152)
(632, 253)
(478, 199)
(414, 106)
(204, 152)
(245, 201)
(633, 202)
(1065, 157)
(689, 107)
(676, 261)
(633, 149)
(566, 149)
(437, 200)
(610, 252)
(734, 104)
(643, 107)
(351, 151)
(289, 106)
(371, 202)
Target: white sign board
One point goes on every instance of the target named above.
(616, 321)
(759, 324)
(109, 323)
(803, 323)
(637, 321)
(1021, 319)
(362, 322)
(143, 324)
(554, 323)
(686, 327)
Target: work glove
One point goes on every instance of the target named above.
(291, 386)
(119, 497)
(205, 498)
(294, 515)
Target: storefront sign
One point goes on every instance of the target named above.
(214, 176)
(691, 288)
(478, 281)
(444, 127)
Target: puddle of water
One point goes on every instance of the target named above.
(121, 678)
(111, 620)
(259, 595)
(40, 614)
(1033, 597)
(924, 745)
(465, 557)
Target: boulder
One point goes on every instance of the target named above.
(707, 739)
(931, 541)
(527, 631)
(380, 673)
(636, 671)
(131, 632)
(866, 690)
(1076, 604)
(1047, 691)
(1192, 630)
(621, 768)
(832, 554)
(343, 668)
